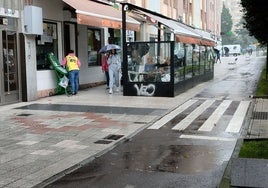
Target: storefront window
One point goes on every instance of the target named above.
(179, 62)
(196, 60)
(94, 45)
(203, 59)
(210, 58)
(149, 62)
(188, 61)
(46, 43)
(115, 36)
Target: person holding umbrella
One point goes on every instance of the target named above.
(114, 63)
(218, 55)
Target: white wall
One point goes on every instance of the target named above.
(87, 74)
(46, 80)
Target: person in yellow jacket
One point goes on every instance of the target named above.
(72, 65)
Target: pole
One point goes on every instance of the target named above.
(124, 49)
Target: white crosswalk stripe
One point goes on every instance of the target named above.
(171, 115)
(214, 118)
(207, 137)
(238, 118)
(192, 116)
(233, 126)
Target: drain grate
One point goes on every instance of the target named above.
(113, 137)
(24, 115)
(260, 115)
(108, 139)
(103, 142)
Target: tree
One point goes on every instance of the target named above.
(226, 26)
(243, 37)
(256, 17)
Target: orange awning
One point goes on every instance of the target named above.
(100, 15)
(188, 40)
(207, 42)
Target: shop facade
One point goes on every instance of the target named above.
(10, 90)
(179, 59)
(83, 26)
(30, 29)
(86, 26)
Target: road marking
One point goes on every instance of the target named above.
(192, 116)
(214, 138)
(236, 122)
(215, 116)
(161, 122)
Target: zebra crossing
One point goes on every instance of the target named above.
(211, 110)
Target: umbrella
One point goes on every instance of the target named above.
(109, 47)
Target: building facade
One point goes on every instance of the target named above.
(26, 71)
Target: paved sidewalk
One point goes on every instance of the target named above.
(44, 139)
(252, 169)
(259, 121)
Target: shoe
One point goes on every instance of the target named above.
(110, 91)
(107, 87)
(117, 89)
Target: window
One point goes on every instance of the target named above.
(149, 61)
(94, 45)
(179, 62)
(46, 43)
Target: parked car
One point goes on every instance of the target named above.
(232, 49)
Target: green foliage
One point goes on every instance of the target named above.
(254, 149)
(256, 17)
(226, 20)
(262, 88)
(243, 37)
(226, 26)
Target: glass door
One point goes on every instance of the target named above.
(9, 67)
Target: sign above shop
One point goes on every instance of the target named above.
(9, 12)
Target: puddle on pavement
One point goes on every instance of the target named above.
(174, 158)
(187, 159)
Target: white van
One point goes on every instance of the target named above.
(232, 49)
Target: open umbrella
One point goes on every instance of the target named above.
(109, 47)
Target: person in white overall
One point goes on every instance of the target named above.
(114, 63)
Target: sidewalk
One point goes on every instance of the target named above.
(44, 139)
(259, 121)
(253, 169)
(250, 172)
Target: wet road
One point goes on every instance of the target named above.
(190, 147)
